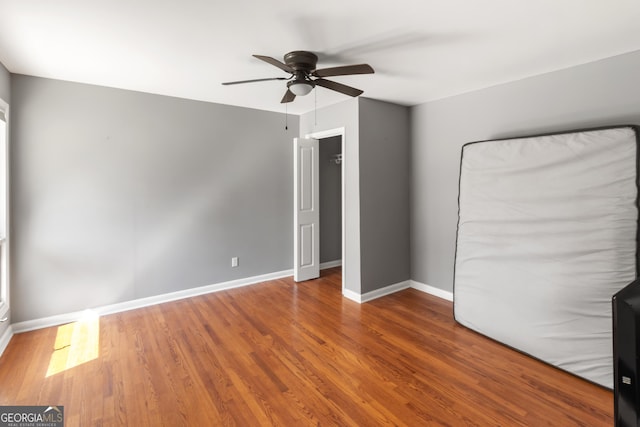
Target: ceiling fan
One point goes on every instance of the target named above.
(304, 75)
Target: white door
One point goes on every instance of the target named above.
(306, 213)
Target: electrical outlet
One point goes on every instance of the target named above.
(234, 261)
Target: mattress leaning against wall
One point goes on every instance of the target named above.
(547, 233)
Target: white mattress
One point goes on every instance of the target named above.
(547, 233)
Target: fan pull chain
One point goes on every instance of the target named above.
(315, 107)
(286, 116)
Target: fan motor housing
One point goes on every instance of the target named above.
(301, 60)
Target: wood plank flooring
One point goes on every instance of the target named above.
(288, 354)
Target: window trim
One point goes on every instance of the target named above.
(5, 294)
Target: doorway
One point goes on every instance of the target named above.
(330, 172)
(337, 136)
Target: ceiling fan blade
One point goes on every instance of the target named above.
(254, 80)
(275, 62)
(288, 97)
(338, 87)
(344, 70)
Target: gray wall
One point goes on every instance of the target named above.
(384, 193)
(330, 200)
(344, 115)
(121, 195)
(601, 93)
(5, 95)
(5, 84)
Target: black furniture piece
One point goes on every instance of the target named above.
(626, 353)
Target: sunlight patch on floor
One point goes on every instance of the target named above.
(76, 343)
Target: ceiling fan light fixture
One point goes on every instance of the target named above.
(300, 87)
(304, 75)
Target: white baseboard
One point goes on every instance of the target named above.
(61, 319)
(330, 264)
(378, 293)
(5, 338)
(440, 293)
(387, 290)
(353, 296)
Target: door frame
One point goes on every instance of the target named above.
(320, 135)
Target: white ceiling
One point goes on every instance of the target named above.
(421, 49)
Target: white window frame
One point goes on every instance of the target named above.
(4, 240)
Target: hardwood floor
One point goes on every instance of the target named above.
(288, 354)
